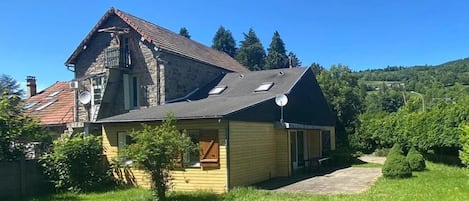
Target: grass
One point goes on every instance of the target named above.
(438, 182)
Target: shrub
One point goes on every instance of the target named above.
(76, 164)
(396, 165)
(416, 160)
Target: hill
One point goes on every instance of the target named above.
(446, 74)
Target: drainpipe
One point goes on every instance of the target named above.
(227, 144)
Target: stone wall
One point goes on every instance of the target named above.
(162, 75)
(183, 75)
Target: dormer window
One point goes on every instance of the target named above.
(264, 87)
(217, 90)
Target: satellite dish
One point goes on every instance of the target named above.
(281, 100)
(84, 97)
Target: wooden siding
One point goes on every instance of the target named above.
(188, 179)
(252, 153)
(282, 143)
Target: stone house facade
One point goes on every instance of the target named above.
(127, 63)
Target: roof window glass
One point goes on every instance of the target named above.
(29, 105)
(45, 105)
(264, 87)
(54, 93)
(217, 90)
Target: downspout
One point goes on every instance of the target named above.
(227, 144)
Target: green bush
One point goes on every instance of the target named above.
(396, 164)
(416, 160)
(76, 164)
(464, 152)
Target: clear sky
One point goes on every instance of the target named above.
(37, 37)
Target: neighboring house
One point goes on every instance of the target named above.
(52, 107)
(127, 63)
(236, 123)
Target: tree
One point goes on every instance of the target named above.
(277, 56)
(464, 152)
(342, 92)
(224, 41)
(75, 164)
(396, 164)
(184, 32)
(156, 150)
(317, 68)
(8, 83)
(294, 61)
(251, 52)
(15, 128)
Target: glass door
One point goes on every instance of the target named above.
(297, 149)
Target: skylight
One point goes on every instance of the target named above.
(29, 105)
(217, 90)
(54, 93)
(264, 87)
(45, 105)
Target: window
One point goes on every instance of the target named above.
(55, 93)
(98, 89)
(208, 154)
(111, 57)
(45, 105)
(326, 142)
(125, 53)
(191, 158)
(131, 92)
(264, 87)
(124, 139)
(217, 90)
(29, 105)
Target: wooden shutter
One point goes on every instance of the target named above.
(209, 149)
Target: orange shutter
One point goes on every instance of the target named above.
(209, 149)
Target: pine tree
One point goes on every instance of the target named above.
(251, 52)
(294, 60)
(184, 32)
(224, 41)
(277, 56)
(396, 164)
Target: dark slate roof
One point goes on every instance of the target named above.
(239, 95)
(168, 41)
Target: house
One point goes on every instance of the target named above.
(127, 63)
(52, 107)
(239, 128)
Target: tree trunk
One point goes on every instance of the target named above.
(159, 184)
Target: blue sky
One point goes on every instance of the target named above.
(38, 36)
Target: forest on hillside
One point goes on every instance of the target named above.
(424, 107)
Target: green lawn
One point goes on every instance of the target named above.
(439, 182)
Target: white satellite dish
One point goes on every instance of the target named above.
(281, 100)
(84, 97)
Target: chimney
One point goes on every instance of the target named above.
(31, 86)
